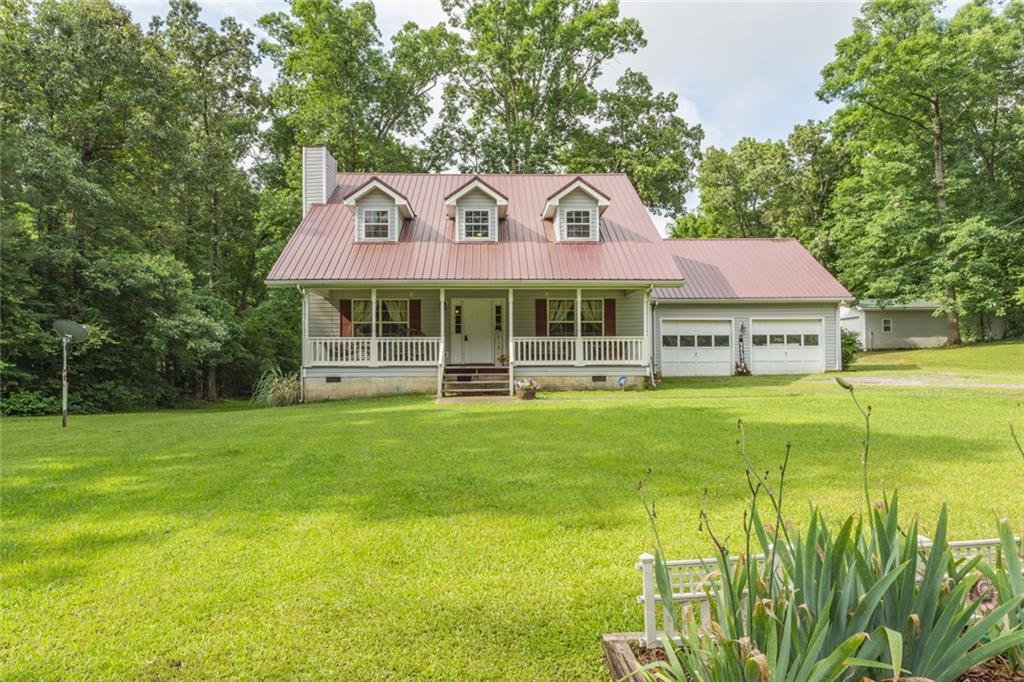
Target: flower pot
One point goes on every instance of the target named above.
(528, 393)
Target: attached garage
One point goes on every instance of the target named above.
(696, 348)
(787, 346)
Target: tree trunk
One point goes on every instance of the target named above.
(939, 164)
(211, 381)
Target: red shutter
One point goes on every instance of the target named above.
(345, 310)
(540, 317)
(414, 315)
(609, 317)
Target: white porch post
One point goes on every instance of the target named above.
(579, 327)
(511, 346)
(305, 343)
(648, 332)
(373, 328)
(441, 350)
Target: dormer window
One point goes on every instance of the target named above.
(376, 223)
(578, 223)
(476, 208)
(476, 223)
(379, 211)
(576, 211)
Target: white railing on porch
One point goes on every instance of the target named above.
(595, 350)
(613, 350)
(545, 350)
(358, 351)
(689, 579)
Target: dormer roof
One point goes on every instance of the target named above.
(376, 184)
(475, 183)
(577, 183)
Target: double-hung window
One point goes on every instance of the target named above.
(476, 223)
(376, 223)
(562, 317)
(577, 224)
(392, 317)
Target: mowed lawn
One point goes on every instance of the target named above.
(401, 539)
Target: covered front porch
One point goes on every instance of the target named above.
(524, 329)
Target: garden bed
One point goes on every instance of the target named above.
(624, 656)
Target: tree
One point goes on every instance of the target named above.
(338, 86)
(637, 132)
(772, 188)
(928, 100)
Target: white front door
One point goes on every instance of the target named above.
(787, 347)
(472, 331)
(696, 348)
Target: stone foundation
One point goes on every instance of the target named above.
(367, 387)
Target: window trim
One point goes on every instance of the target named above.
(572, 302)
(463, 227)
(887, 321)
(380, 322)
(364, 236)
(590, 224)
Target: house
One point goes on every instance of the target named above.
(460, 284)
(914, 324)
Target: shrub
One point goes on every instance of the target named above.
(30, 403)
(276, 389)
(851, 345)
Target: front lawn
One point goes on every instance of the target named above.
(400, 539)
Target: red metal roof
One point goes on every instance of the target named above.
(323, 247)
(716, 269)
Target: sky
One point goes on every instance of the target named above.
(740, 68)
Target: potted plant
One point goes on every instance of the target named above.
(503, 359)
(527, 388)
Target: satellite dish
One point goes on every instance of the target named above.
(68, 332)
(72, 330)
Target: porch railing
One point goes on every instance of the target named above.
(358, 351)
(613, 350)
(545, 350)
(596, 350)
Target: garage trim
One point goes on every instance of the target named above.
(775, 318)
(700, 318)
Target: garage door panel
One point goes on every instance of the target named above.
(787, 347)
(696, 348)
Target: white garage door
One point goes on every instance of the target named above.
(696, 348)
(787, 347)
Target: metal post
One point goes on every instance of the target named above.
(64, 383)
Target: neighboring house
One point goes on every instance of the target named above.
(460, 284)
(914, 324)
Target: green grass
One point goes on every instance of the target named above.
(1004, 358)
(400, 539)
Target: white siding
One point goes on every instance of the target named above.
(319, 176)
(377, 200)
(578, 200)
(325, 319)
(629, 308)
(743, 313)
(476, 200)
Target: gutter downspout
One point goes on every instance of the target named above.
(651, 305)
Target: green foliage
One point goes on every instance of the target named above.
(850, 346)
(31, 403)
